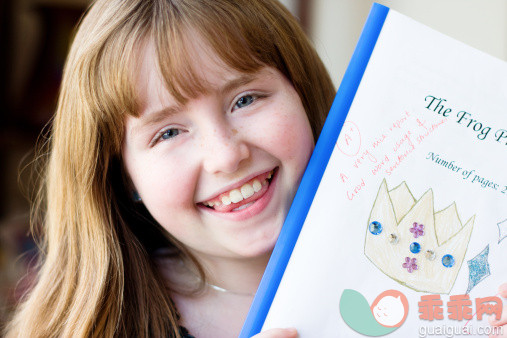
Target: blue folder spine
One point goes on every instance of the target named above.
(314, 171)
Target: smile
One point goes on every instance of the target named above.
(242, 197)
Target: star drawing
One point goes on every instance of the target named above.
(502, 230)
(478, 268)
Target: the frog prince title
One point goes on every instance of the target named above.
(466, 119)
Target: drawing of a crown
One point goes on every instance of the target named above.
(414, 245)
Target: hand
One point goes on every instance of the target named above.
(278, 333)
(502, 322)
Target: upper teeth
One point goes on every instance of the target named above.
(237, 195)
(256, 185)
(226, 200)
(246, 191)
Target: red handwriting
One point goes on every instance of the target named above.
(379, 141)
(356, 190)
(380, 165)
(388, 150)
(428, 128)
(399, 122)
(343, 177)
(405, 139)
(349, 142)
(366, 155)
(400, 159)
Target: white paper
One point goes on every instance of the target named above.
(410, 62)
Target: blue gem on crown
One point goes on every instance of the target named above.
(448, 261)
(415, 247)
(375, 227)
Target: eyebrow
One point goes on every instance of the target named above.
(239, 81)
(155, 117)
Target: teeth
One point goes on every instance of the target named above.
(247, 191)
(226, 200)
(256, 185)
(243, 207)
(235, 196)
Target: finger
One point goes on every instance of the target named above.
(498, 332)
(278, 333)
(502, 321)
(502, 290)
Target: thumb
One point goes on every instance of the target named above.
(278, 333)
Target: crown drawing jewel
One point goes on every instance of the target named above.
(414, 245)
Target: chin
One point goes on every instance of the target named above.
(260, 248)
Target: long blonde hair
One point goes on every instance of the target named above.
(97, 275)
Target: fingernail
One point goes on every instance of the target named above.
(502, 290)
(292, 331)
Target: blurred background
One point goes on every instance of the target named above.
(34, 39)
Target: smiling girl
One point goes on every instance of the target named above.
(182, 131)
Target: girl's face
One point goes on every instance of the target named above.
(218, 173)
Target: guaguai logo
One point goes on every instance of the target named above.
(386, 314)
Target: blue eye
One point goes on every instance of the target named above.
(244, 101)
(166, 134)
(170, 133)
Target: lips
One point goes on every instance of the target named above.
(242, 196)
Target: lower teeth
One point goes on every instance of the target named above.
(243, 206)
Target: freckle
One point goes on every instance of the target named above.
(234, 132)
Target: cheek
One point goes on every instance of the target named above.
(169, 198)
(164, 187)
(293, 139)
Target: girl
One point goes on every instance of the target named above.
(182, 131)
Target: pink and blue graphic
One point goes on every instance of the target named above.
(386, 314)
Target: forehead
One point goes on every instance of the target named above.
(200, 71)
(203, 71)
(186, 68)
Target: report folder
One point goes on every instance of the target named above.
(400, 220)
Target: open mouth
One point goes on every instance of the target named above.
(242, 197)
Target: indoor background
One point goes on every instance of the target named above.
(34, 39)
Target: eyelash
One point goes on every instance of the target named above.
(255, 97)
(251, 96)
(158, 137)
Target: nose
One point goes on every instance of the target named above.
(224, 150)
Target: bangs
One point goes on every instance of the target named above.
(244, 35)
(237, 35)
